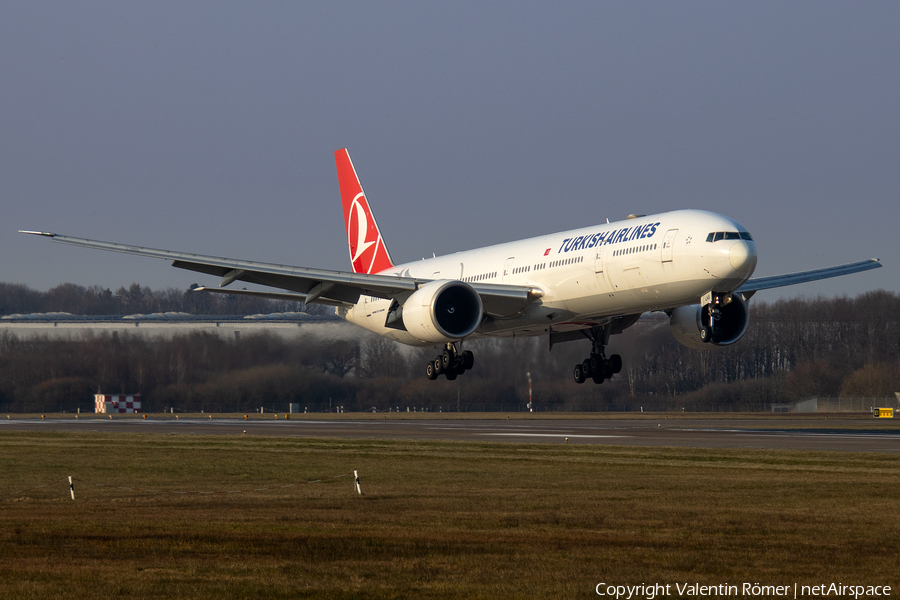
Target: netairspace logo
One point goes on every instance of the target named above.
(649, 591)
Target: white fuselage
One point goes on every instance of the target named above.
(590, 275)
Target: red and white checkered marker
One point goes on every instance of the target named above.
(117, 403)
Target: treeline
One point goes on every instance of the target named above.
(95, 300)
(792, 350)
(193, 372)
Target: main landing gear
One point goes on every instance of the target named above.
(597, 366)
(450, 363)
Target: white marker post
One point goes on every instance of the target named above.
(356, 478)
(71, 487)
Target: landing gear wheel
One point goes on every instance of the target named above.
(706, 334)
(587, 368)
(430, 371)
(579, 374)
(447, 359)
(450, 362)
(615, 364)
(596, 366)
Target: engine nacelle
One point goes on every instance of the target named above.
(687, 324)
(443, 311)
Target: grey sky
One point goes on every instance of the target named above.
(210, 127)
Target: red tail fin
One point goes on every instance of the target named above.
(368, 253)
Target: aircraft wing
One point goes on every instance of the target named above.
(764, 283)
(336, 288)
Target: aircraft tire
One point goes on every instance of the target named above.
(430, 373)
(587, 367)
(615, 364)
(468, 360)
(579, 373)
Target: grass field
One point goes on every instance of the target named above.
(436, 519)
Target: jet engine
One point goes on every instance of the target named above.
(442, 311)
(691, 324)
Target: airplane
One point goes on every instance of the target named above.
(583, 284)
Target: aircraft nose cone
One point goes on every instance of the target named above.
(742, 256)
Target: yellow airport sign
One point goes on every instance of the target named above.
(883, 413)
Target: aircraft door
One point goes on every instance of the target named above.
(598, 262)
(507, 268)
(668, 245)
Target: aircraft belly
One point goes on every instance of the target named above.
(640, 298)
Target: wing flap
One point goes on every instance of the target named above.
(273, 295)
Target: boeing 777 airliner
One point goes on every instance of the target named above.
(587, 283)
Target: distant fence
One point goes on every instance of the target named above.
(837, 404)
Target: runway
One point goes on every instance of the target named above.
(837, 434)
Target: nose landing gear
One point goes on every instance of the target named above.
(714, 302)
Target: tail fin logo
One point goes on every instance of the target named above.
(368, 253)
(362, 234)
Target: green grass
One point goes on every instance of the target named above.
(437, 519)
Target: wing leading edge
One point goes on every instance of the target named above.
(765, 283)
(335, 288)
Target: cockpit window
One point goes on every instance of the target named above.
(715, 236)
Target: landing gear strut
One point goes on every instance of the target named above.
(450, 363)
(710, 332)
(597, 366)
